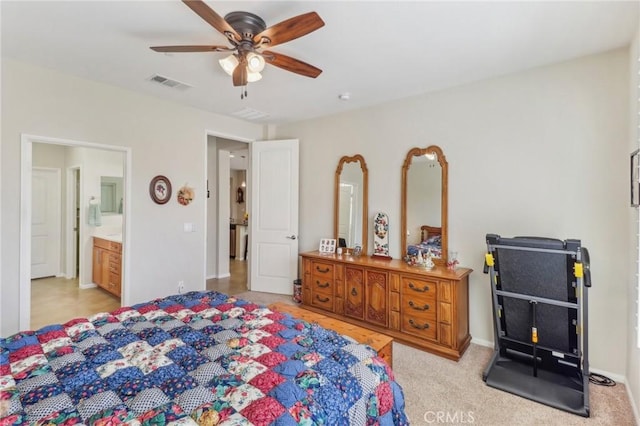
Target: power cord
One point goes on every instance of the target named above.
(600, 380)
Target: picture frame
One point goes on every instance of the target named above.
(160, 189)
(327, 245)
(634, 175)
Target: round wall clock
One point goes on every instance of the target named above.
(160, 189)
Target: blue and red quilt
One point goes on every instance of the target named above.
(200, 358)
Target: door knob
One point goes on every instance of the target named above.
(291, 237)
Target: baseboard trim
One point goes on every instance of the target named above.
(618, 378)
(86, 286)
(634, 407)
(482, 342)
(228, 274)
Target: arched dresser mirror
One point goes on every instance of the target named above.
(351, 198)
(424, 203)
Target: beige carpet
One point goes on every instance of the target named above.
(440, 391)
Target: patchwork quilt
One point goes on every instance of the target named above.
(200, 358)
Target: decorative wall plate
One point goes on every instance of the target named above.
(160, 189)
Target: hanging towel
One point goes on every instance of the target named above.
(95, 215)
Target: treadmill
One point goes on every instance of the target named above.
(539, 289)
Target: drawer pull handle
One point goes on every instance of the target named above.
(322, 271)
(323, 300)
(319, 284)
(421, 290)
(418, 308)
(418, 326)
(353, 291)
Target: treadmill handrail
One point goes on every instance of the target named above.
(522, 248)
(537, 299)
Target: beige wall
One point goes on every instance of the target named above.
(541, 152)
(165, 138)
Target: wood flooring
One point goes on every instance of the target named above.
(236, 283)
(58, 300)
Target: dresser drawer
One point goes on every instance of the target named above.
(419, 326)
(115, 258)
(323, 301)
(418, 287)
(320, 284)
(322, 269)
(421, 305)
(114, 280)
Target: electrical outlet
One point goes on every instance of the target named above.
(180, 287)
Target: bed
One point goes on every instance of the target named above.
(430, 241)
(200, 358)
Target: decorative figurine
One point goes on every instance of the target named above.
(428, 263)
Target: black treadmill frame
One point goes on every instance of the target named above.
(552, 375)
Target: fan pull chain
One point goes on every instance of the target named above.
(243, 92)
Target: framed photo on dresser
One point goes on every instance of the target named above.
(327, 245)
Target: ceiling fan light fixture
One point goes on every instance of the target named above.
(255, 62)
(252, 77)
(248, 35)
(229, 64)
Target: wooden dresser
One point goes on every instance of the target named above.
(107, 265)
(425, 309)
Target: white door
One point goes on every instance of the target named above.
(273, 217)
(45, 222)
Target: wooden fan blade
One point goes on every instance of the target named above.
(208, 14)
(291, 64)
(190, 48)
(240, 74)
(291, 29)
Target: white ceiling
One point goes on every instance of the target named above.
(377, 51)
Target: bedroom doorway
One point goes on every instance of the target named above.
(272, 174)
(227, 232)
(74, 260)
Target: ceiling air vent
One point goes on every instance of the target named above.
(250, 114)
(169, 82)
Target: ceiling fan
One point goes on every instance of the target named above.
(249, 37)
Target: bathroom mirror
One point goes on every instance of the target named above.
(111, 195)
(424, 203)
(350, 202)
